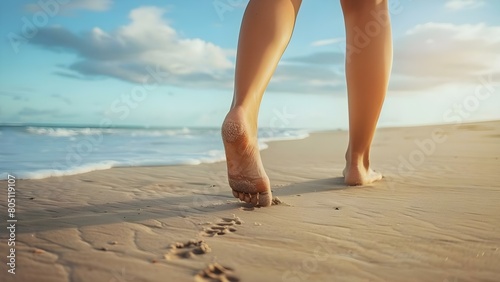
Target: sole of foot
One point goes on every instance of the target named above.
(246, 174)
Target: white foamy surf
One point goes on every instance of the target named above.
(39, 152)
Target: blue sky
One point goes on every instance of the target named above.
(171, 63)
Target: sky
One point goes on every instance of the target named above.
(171, 64)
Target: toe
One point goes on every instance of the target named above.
(247, 197)
(255, 199)
(241, 196)
(236, 194)
(265, 199)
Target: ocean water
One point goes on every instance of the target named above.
(36, 152)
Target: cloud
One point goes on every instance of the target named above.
(65, 73)
(463, 4)
(91, 5)
(62, 98)
(321, 58)
(28, 111)
(434, 54)
(307, 79)
(147, 45)
(44, 113)
(427, 56)
(326, 42)
(14, 95)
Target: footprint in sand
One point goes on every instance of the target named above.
(225, 226)
(216, 272)
(187, 250)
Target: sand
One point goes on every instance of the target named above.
(435, 216)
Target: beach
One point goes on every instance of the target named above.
(434, 217)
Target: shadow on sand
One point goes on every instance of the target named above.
(37, 220)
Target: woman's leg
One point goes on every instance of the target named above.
(265, 32)
(368, 66)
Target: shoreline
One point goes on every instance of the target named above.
(108, 164)
(84, 158)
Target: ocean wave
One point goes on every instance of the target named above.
(213, 156)
(64, 132)
(161, 132)
(72, 132)
(283, 136)
(46, 173)
(103, 165)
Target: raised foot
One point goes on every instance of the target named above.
(247, 177)
(360, 176)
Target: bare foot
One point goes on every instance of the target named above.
(359, 175)
(245, 171)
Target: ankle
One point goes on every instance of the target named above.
(244, 115)
(357, 161)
